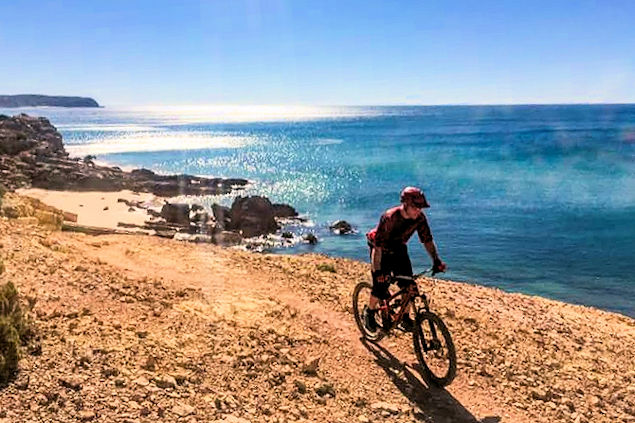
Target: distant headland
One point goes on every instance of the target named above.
(31, 100)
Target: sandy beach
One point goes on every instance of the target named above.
(98, 209)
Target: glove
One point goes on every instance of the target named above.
(378, 276)
(439, 266)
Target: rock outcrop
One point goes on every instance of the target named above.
(30, 100)
(253, 216)
(248, 217)
(32, 154)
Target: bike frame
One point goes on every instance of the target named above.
(408, 295)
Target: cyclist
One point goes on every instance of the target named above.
(389, 252)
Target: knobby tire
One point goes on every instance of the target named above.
(429, 318)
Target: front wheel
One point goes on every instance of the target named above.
(361, 294)
(434, 349)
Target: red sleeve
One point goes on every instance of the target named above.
(423, 229)
(383, 231)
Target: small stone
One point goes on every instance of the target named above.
(363, 419)
(23, 382)
(311, 365)
(150, 364)
(539, 394)
(141, 381)
(41, 399)
(180, 378)
(86, 415)
(301, 386)
(325, 389)
(183, 410)
(232, 419)
(109, 372)
(385, 406)
(165, 382)
(71, 382)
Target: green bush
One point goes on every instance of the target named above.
(326, 267)
(9, 349)
(15, 329)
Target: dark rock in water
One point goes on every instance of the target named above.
(341, 227)
(284, 210)
(287, 235)
(176, 213)
(252, 216)
(310, 238)
(29, 100)
(222, 215)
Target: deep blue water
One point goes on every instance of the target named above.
(533, 199)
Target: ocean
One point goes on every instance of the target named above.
(531, 199)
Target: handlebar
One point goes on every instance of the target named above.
(431, 271)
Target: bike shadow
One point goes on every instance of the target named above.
(437, 404)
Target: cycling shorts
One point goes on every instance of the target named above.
(394, 261)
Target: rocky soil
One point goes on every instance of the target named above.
(145, 329)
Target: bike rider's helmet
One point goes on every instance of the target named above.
(415, 197)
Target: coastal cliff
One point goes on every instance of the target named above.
(34, 100)
(32, 154)
(137, 328)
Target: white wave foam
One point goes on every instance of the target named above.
(163, 141)
(107, 128)
(328, 141)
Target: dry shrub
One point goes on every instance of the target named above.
(15, 329)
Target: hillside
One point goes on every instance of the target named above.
(144, 329)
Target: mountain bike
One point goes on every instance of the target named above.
(431, 338)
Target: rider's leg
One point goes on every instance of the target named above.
(373, 302)
(378, 291)
(403, 267)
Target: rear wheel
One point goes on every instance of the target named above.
(434, 349)
(361, 294)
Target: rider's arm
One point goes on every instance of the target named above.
(432, 250)
(425, 236)
(438, 265)
(376, 259)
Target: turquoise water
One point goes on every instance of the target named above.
(533, 199)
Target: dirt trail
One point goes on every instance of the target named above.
(245, 293)
(159, 330)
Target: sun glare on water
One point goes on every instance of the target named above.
(158, 141)
(246, 113)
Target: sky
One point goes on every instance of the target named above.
(159, 52)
